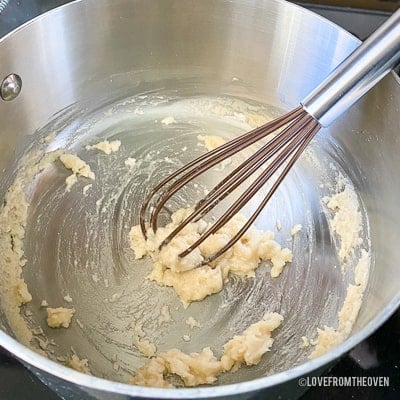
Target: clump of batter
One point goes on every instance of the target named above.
(105, 146)
(211, 142)
(193, 281)
(59, 317)
(346, 224)
(190, 281)
(78, 167)
(328, 337)
(14, 292)
(203, 367)
(81, 365)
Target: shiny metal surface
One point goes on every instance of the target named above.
(10, 87)
(96, 56)
(370, 63)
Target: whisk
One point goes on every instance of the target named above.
(290, 135)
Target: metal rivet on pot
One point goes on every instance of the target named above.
(10, 87)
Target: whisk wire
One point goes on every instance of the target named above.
(301, 141)
(240, 174)
(294, 131)
(367, 65)
(203, 165)
(261, 206)
(213, 157)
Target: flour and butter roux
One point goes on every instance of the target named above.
(193, 281)
(203, 367)
(78, 167)
(59, 317)
(346, 224)
(190, 280)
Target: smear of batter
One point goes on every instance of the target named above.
(168, 120)
(105, 146)
(192, 323)
(81, 365)
(13, 215)
(211, 142)
(346, 224)
(329, 337)
(146, 348)
(78, 167)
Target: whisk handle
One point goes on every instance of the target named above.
(358, 73)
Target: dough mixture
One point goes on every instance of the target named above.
(203, 368)
(190, 280)
(59, 317)
(105, 146)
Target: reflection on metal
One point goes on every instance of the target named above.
(10, 87)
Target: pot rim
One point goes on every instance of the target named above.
(42, 363)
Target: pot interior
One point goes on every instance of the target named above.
(115, 71)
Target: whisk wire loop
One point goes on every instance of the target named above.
(358, 73)
(300, 141)
(239, 175)
(212, 158)
(203, 164)
(293, 131)
(251, 220)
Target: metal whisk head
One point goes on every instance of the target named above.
(293, 131)
(358, 73)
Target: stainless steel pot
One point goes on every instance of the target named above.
(98, 51)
